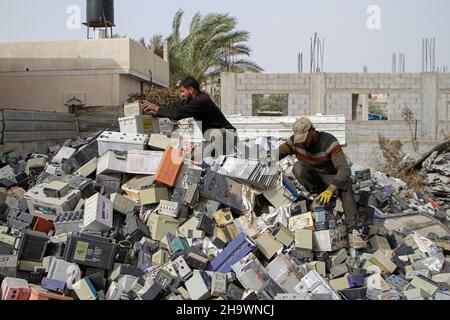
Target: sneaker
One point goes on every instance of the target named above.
(356, 241)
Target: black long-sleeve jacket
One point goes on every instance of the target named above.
(202, 109)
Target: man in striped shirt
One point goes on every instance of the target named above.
(322, 167)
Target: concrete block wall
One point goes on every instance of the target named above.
(245, 103)
(398, 101)
(299, 105)
(369, 131)
(427, 94)
(443, 106)
(338, 103)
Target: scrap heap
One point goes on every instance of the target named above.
(127, 216)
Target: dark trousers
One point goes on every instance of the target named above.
(316, 182)
(217, 142)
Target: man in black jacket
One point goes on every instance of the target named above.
(198, 105)
(195, 104)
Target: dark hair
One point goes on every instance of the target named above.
(190, 82)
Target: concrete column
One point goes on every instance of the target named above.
(318, 99)
(166, 50)
(428, 120)
(228, 93)
(365, 107)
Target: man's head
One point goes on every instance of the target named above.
(304, 132)
(189, 88)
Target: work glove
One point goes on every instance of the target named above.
(325, 197)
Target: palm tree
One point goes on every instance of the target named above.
(213, 45)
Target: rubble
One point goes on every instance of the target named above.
(128, 216)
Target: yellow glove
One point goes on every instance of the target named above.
(325, 197)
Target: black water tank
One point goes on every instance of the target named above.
(100, 11)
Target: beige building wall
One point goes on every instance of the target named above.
(37, 75)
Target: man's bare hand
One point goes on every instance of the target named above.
(150, 108)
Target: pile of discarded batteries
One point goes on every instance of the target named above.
(128, 216)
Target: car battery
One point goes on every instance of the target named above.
(127, 282)
(377, 242)
(114, 292)
(38, 293)
(20, 220)
(6, 247)
(284, 235)
(15, 289)
(8, 266)
(218, 284)
(169, 167)
(134, 229)
(29, 266)
(188, 227)
(169, 208)
(7, 183)
(7, 172)
(85, 289)
(166, 280)
(322, 215)
(112, 162)
(161, 142)
(121, 142)
(338, 271)
(223, 217)
(199, 285)
(191, 195)
(53, 285)
(268, 245)
(139, 124)
(179, 244)
(329, 240)
(42, 225)
(122, 204)
(36, 160)
(354, 293)
(196, 259)
(135, 185)
(160, 257)
(4, 211)
(98, 213)
(225, 190)
(56, 189)
(132, 109)
(206, 224)
(160, 225)
(303, 239)
(87, 169)
(233, 252)
(90, 250)
(83, 155)
(279, 196)
(80, 205)
(32, 246)
(153, 195)
(109, 183)
(85, 185)
(182, 268)
(69, 221)
(48, 208)
(55, 249)
(63, 154)
(143, 161)
(123, 269)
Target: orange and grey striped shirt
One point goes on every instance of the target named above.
(326, 157)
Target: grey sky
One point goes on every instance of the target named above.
(279, 29)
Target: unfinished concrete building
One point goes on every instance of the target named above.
(426, 94)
